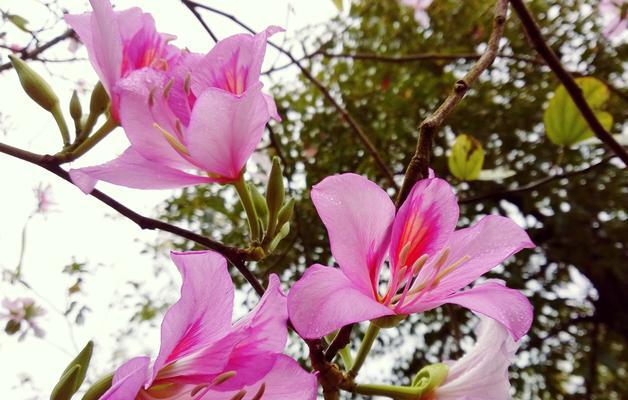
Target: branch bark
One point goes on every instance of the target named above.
(419, 164)
(536, 37)
(236, 256)
(32, 54)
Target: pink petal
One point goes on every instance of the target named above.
(264, 334)
(425, 222)
(128, 379)
(324, 300)
(489, 242)
(143, 105)
(107, 42)
(286, 381)
(358, 215)
(482, 373)
(507, 306)
(132, 170)
(234, 64)
(225, 129)
(203, 313)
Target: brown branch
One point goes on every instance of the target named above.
(342, 339)
(536, 37)
(419, 164)
(236, 256)
(535, 184)
(32, 54)
(400, 59)
(346, 116)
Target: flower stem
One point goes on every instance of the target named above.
(84, 147)
(394, 392)
(347, 358)
(63, 127)
(365, 348)
(249, 207)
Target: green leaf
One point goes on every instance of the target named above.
(66, 386)
(19, 21)
(466, 158)
(82, 360)
(338, 4)
(564, 124)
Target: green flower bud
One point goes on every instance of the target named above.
(275, 194)
(285, 214)
(82, 360)
(99, 101)
(99, 388)
(12, 327)
(430, 377)
(76, 111)
(260, 206)
(66, 387)
(283, 232)
(34, 85)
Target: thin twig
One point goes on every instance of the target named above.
(235, 256)
(400, 59)
(535, 184)
(342, 339)
(347, 117)
(536, 37)
(192, 7)
(419, 164)
(32, 54)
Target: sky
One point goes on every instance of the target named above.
(80, 227)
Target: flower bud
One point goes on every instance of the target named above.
(65, 388)
(430, 377)
(34, 85)
(82, 360)
(260, 206)
(99, 101)
(275, 194)
(76, 111)
(99, 388)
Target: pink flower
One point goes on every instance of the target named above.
(420, 10)
(615, 17)
(20, 311)
(204, 356)
(44, 198)
(429, 262)
(121, 42)
(205, 113)
(482, 374)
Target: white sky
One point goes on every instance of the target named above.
(82, 227)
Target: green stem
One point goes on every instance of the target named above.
(347, 358)
(63, 127)
(90, 142)
(365, 348)
(249, 207)
(394, 392)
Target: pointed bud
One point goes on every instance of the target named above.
(82, 360)
(260, 206)
(285, 214)
(66, 386)
(283, 232)
(275, 191)
(34, 85)
(99, 388)
(99, 101)
(76, 111)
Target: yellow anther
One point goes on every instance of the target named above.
(168, 87)
(223, 378)
(178, 146)
(239, 396)
(403, 254)
(418, 264)
(187, 84)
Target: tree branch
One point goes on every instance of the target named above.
(419, 164)
(400, 59)
(236, 256)
(347, 117)
(552, 60)
(32, 54)
(535, 184)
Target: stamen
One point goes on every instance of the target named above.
(174, 142)
(260, 392)
(222, 378)
(168, 87)
(418, 264)
(403, 254)
(151, 98)
(187, 84)
(197, 389)
(450, 268)
(239, 396)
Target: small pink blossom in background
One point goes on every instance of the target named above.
(44, 199)
(22, 311)
(420, 10)
(615, 17)
(482, 373)
(204, 356)
(429, 261)
(203, 113)
(121, 42)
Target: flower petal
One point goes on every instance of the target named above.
(264, 333)
(203, 313)
(225, 129)
(324, 300)
(493, 299)
(358, 215)
(234, 64)
(286, 381)
(128, 379)
(132, 170)
(486, 244)
(424, 223)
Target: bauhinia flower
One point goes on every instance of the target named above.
(204, 356)
(482, 373)
(429, 261)
(19, 312)
(203, 114)
(121, 42)
(420, 10)
(615, 14)
(44, 198)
